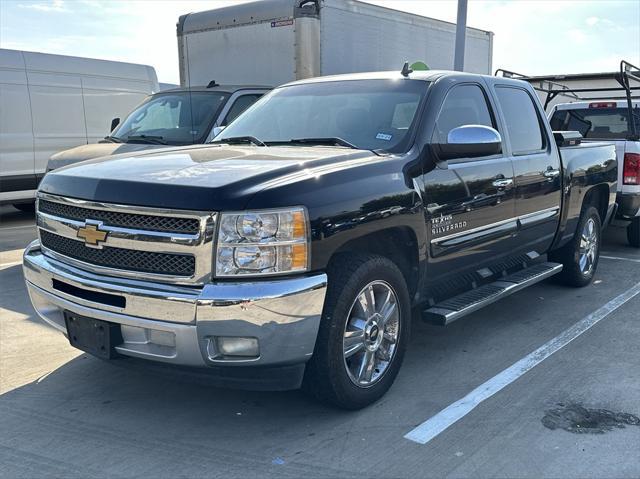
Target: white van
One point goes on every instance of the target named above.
(50, 103)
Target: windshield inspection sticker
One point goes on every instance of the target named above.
(383, 136)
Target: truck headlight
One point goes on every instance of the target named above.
(263, 243)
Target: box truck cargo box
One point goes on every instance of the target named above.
(276, 41)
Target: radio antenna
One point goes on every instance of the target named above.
(406, 70)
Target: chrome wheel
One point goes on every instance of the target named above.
(371, 333)
(588, 247)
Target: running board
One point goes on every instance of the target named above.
(454, 308)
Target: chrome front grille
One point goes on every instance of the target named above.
(173, 246)
(122, 220)
(119, 258)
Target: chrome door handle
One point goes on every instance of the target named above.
(551, 174)
(503, 183)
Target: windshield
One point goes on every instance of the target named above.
(597, 123)
(169, 118)
(368, 114)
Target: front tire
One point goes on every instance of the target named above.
(363, 332)
(580, 257)
(633, 233)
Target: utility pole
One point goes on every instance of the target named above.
(461, 31)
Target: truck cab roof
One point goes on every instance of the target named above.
(219, 88)
(421, 75)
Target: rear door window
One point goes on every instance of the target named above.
(522, 120)
(596, 123)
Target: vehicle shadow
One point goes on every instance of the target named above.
(176, 426)
(13, 293)
(615, 239)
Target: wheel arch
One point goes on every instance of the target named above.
(399, 244)
(598, 197)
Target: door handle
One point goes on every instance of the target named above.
(551, 174)
(503, 183)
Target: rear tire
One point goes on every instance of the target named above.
(363, 332)
(25, 207)
(633, 233)
(580, 256)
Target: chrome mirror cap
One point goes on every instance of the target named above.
(473, 135)
(470, 141)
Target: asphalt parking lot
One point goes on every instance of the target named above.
(575, 414)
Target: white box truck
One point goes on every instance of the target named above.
(50, 103)
(271, 42)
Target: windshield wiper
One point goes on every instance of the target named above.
(332, 141)
(157, 140)
(113, 139)
(237, 140)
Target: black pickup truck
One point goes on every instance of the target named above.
(294, 250)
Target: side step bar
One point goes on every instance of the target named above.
(454, 308)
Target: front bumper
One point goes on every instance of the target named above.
(628, 206)
(178, 324)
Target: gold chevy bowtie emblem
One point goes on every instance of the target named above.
(92, 234)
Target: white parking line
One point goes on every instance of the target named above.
(433, 426)
(619, 258)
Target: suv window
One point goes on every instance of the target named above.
(522, 120)
(241, 104)
(463, 105)
(177, 118)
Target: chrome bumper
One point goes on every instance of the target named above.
(178, 324)
(628, 205)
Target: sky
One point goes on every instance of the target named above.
(533, 37)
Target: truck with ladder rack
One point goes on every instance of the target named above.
(601, 107)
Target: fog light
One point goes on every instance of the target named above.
(237, 346)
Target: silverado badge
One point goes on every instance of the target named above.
(445, 224)
(92, 234)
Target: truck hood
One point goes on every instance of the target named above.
(94, 150)
(201, 177)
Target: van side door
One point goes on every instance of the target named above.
(470, 204)
(537, 167)
(16, 132)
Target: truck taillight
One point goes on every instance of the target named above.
(631, 172)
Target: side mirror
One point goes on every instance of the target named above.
(115, 122)
(470, 141)
(217, 130)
